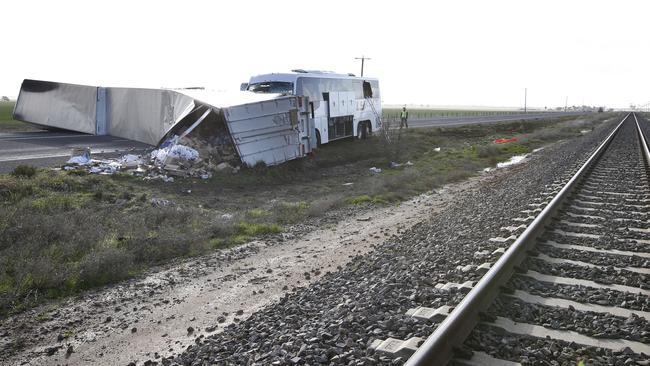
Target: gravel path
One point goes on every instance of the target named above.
(170, 308)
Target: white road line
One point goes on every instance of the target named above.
(54, 155)
(3, 138)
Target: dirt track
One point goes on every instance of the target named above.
(163, 312)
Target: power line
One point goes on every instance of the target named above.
(362, 58)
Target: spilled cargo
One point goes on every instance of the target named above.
(287, 117)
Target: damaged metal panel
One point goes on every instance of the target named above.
(145, 115)
(67, 106)
(271, 131)
(266, 131)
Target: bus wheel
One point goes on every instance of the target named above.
(318, 143)
(362, 131)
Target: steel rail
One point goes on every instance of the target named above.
(644, 142)
(438, 349)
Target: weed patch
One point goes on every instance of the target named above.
(24, 171)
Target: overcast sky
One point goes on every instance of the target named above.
(423, 52)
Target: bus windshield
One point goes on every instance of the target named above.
(281, 87)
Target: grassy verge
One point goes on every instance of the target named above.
(7, 123)
(64, 232)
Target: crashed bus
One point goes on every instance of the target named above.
(286, 117)
(341, 105)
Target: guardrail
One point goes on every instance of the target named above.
(426, 116)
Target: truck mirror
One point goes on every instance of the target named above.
(243, 86)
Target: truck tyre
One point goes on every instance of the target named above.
(363, 131)
(318, 143)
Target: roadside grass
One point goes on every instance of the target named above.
(7, 123)
(65, 232)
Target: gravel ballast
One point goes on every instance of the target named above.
(335, 319)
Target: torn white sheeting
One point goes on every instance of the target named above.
(80, 156)
(131, 161)
(80, 160)
(175, 151)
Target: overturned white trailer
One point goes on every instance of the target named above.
(270, 131)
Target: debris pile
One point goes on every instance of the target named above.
(198, 146)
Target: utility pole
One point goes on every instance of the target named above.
(525, 100)
(566, 102)
(362, 58)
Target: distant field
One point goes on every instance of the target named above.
(7, 123)
(423, 113)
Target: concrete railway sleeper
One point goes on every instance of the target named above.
(569, 283)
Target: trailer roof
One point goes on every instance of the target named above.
(293, 76)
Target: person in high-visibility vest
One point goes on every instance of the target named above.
(404, 118)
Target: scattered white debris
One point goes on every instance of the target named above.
(161, 202)
(538, 149)
(227, 216)
(80, 156)
(584, 131)
(375, 170)
(397, 165)
(174, 151)
(169, 161)
(512, 161)
(130, 161)
(348, 184)
(437, 149)
(222, 166)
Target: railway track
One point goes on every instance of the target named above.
(570, 284)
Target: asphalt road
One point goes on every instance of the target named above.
(48, 149)
(45, 148)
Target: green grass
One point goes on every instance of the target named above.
(7, 123)
(65, 232)
(364, 198)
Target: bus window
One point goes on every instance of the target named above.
(367, 90)
(272, 87)
(311, 106)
